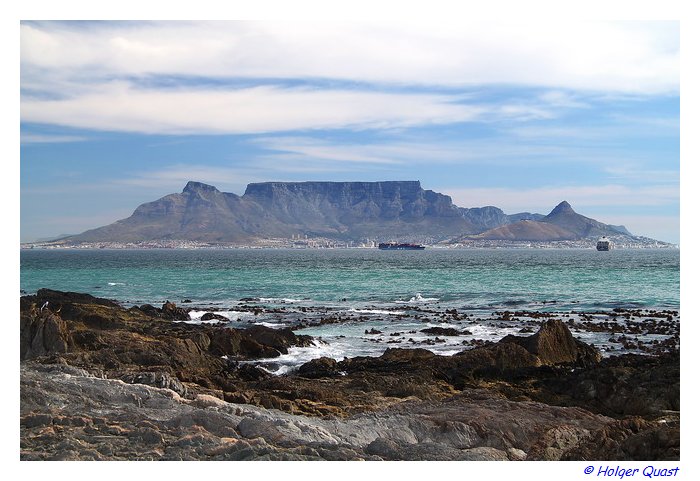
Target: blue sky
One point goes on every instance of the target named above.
(516, 115)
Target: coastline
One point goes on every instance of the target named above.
(619, 242)
(154, 388)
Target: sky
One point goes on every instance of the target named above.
(519, 115)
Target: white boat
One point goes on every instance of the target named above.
(604, 244)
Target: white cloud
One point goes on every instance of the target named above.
(602, 56)
(161, 77)
(310, 148)
(120, 107)
(529, 145)
(26, 138)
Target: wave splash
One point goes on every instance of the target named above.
(418, 299)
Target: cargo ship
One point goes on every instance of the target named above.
(395, 246)
(603, 244)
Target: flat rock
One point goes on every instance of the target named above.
(109, 419)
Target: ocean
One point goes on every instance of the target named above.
(361, 301)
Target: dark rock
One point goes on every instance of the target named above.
(149, 310)
(443, 331)
(406, 355)
(224, 342)
(208, 316)
(279, 339)
(171, 311)
(628, 385)
(118, 341)
(554, 344)
(321, 367)
(494, 358)
(42, 332)
(58, 298)
(248, 372)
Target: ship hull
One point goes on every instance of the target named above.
(401, 247)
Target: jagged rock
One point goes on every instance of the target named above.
(171, 311)
(97, 335)
(500, 356)
(554, 344)
(42, 332)
(208, 316)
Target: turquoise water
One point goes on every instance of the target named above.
(375, 299)
(478, 278)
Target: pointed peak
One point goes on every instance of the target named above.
(563, 208)
(193, 187)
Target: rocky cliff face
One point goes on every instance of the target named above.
(487, 217)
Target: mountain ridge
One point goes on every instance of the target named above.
(350, 211)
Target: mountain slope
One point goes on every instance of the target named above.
(341, 210)
(563, 216)
(562, 223)
(528, 230)
(392, 210)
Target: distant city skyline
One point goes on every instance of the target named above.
(515, 115)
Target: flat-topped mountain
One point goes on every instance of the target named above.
(346, 211)
(339, 210)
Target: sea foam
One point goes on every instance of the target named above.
(418, 299)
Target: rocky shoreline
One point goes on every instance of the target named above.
(99, 381)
